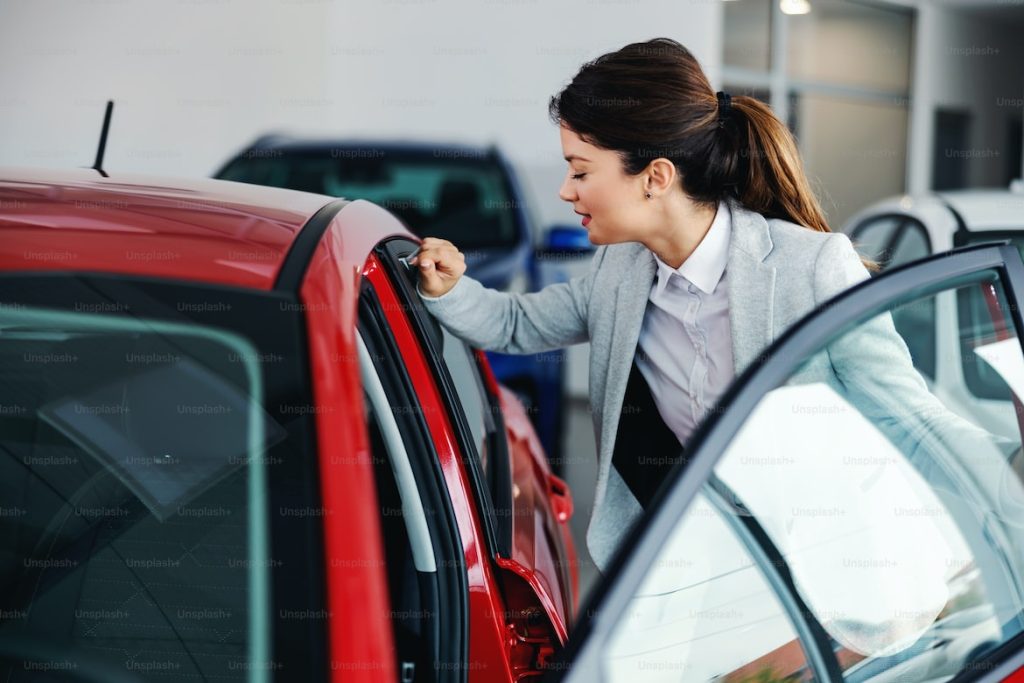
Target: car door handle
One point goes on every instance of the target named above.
(561, 498)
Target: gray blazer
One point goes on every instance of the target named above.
(778, 271)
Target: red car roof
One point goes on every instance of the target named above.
(214, 231)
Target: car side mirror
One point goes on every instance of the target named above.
(563, 239)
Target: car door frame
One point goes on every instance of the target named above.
(494, 503)
(581, 659)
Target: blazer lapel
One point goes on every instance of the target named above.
(630, 305)
(751, 286)
(751, 299)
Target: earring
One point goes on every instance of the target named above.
(648, 195)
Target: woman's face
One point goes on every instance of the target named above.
(597, 185)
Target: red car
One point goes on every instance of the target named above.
(234, 447)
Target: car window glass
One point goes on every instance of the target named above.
(461, 196)
(915, 322)
(705, 612)
(472, 397)
(972, 309)
(873, 237)
(133, 496)
(912, 245)
(898, 513)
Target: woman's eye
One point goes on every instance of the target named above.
(578, 176)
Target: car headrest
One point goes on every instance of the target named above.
(457, 194)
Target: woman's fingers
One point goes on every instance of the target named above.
(440, 265)
(446, 261)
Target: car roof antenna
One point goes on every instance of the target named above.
(98, 166)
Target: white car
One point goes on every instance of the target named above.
(901, 229)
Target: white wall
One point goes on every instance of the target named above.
(194, 80)
(971, 62)
(853, 138)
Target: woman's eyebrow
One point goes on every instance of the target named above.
(571, 157)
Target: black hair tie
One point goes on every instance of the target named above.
(724, 106)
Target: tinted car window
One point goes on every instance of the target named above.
(460, 198)
(891, 240)
(973, 307)
(472, 399)
(134, 497)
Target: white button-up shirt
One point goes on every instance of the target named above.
(685, 347)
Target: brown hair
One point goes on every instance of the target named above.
(652, 99)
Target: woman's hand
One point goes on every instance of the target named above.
(440, 264)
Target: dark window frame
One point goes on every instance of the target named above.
(494, 498)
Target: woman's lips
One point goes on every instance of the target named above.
(586, 221)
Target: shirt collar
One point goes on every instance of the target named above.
(706, 265)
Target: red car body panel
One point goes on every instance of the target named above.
(543, 504)
(362, 649)
(198, 230)
(538, 531)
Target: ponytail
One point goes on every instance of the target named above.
(774, 183)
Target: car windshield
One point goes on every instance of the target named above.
(462, 197)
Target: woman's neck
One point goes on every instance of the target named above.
(684, 231)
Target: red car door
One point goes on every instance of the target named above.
(524, 558)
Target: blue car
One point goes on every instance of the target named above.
(465, 194)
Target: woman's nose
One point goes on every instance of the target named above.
(567, 193)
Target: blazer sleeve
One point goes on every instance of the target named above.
(874, 367)
(872, 361)
(552, 318)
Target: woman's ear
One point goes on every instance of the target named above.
(661, 174)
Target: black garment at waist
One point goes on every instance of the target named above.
(645, 448)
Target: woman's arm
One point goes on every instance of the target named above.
(540, 321)
(874, 366)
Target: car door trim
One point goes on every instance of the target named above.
(296, 261)
(497, 527)
(413, 516)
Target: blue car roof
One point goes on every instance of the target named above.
(290, 144)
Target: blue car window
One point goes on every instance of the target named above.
(464, 198)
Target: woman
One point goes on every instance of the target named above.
(711, 244)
